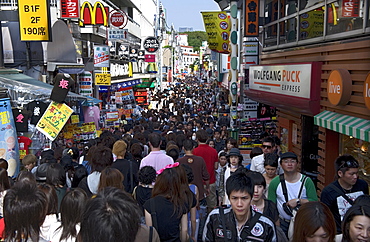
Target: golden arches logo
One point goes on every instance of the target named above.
(97, 15)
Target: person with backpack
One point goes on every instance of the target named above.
(291, 189)
(239, 222)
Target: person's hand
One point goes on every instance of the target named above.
(208, 191)
(292, 203)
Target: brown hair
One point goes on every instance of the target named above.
(305, 225)
(119, 148)
(111, 177)
(29, 159)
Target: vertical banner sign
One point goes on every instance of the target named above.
(54, 119)
(350, 8)
(251, 18)
(9, 149)
(70, 9)
(101, 56)
(217, 25)
(85, 81)
(34, 20)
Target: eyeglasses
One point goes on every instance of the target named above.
(349, 164)
(289, 161)
(266, 147)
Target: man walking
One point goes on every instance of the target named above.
(211, 159)
(156, 158)
(257, 162)
(340, 194)
(290, 190)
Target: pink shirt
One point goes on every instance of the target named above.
(157, 159)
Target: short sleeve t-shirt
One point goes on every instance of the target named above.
(24, 143)
(37, 109)
(62, 84)
(20, 120)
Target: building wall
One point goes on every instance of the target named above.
(352, 55)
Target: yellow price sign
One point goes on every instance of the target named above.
(34, 20)
(102, 79)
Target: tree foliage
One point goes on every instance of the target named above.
(195, 38)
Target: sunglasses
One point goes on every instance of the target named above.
(349, 164)
(266, 147)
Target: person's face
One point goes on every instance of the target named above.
(240, 203)
(267, 147)
(270, 171)
(359, 229)
(349, 177)
(258, 192)
(217, 135)
(229, 146)
(212, 144)
(222, 160)
(29, 167)
(289, 165)
(234, 160)
(319, 236)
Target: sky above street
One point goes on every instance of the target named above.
(186, 13)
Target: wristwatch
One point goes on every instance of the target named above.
(298, 202)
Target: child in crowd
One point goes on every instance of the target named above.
(29, 162)
(271, 165)
(220, 177)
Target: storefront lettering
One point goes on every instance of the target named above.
(334, 88)
(119, 70)
(291, 76)
(367, 91)
(339, 87)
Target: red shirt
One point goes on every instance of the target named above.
(210, 156)
(24, 143)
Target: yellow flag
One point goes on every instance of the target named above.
(217, 25)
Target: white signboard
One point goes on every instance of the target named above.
(115, 34)
(85, 81)
(292, 80)
(249, 60)
(250, 48)
(101, 56)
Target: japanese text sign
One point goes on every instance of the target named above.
(9, 149)
(217, 25)
(101, 56)
(70, 9)
(350, 8)
(151, 44)
(54, 119)
(34, 20)
(102, 79)
(251, 18)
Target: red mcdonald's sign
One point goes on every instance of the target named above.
(97, 15)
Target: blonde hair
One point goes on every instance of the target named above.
(119, 148)
(29, 159)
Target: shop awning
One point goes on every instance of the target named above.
(28, 88)
(344, 124)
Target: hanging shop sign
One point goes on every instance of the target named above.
(217, 26)
(118, 19)
(151, 44)
(339, 87)
(121, 69)
(116, 34)
(141, 54)
(293, 80)
(97, 15)
(112, 116)
(54, 119)
(9, 149)
(101, 56)
(251, 18)
(34, 20)
(102, 79)
(350, 8)
(85, 82)
(70, 9)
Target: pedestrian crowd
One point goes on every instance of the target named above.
(173, 173)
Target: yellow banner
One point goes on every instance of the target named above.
(102, 79)
(75, 119)
(54, 119)
(34, 20)
(217, 25)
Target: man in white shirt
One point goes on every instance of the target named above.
(257, 163)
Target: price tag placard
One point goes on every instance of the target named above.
(34, 20)
(102, 79)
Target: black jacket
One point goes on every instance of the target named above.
(257, 228)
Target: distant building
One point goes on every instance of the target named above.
(185, 29)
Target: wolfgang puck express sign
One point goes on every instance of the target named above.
(292, 80)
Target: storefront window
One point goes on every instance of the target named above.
(291, 27)
(290, 7)
(271, 36)
(360, 150)
(311, 24)
(344, 15)
(272, 10)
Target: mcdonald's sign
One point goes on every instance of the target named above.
(97, 15)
